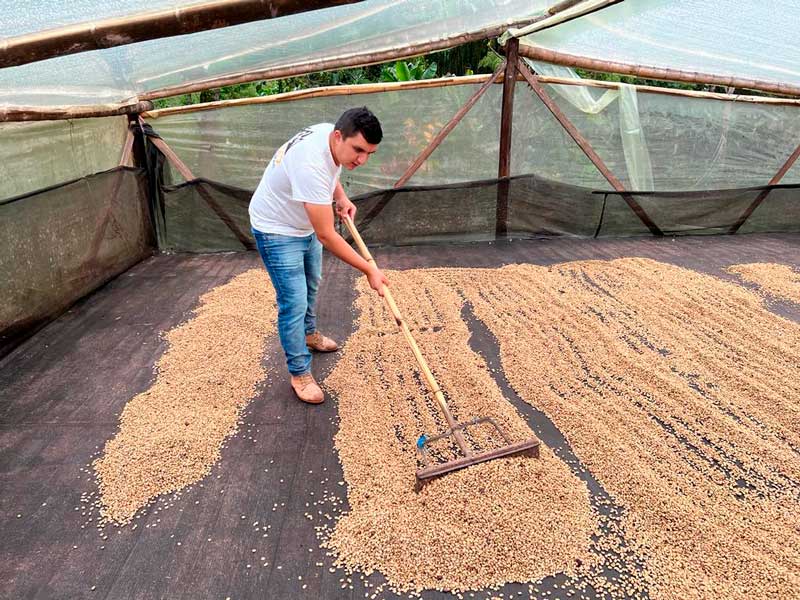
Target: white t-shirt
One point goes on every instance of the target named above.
(302, 170)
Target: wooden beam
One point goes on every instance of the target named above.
(127, 149)
(649, 72)
(186, 173)
(444, 131)
(764, 193)
(119, 31)
(506, 118)
(49, 113)
(176, 162)
(94, 248)
(584, 145)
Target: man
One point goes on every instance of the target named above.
(292, 220)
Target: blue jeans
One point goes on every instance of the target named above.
(294, 265)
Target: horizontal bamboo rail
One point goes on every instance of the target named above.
(333, 90)
(119, 31)
(370, 88)
(52, 113)
(35, 113)
(650, 72)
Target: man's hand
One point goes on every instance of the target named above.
(377, 280)
(345, 208)
(321, 218)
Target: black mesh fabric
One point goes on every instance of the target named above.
(706, 212)
(59, 244)
(466, 212)
(193, 222)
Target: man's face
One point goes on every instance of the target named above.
(352, 152)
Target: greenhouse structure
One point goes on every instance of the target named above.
(612, 267)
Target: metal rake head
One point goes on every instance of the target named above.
(432, 469)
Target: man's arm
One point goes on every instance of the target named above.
(321, 217)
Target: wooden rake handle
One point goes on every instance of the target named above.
(433, 385)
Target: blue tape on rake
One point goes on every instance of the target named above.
(421, 441)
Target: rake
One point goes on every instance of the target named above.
(455, 430)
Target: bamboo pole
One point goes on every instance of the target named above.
(331, 90)
(49, 113)
(189, 176)
(764, 193)
(36, 113)
(584, 145)
(444, 131)
(506, 118)
(127, 149)
(94, 248)
(370, 88)
(119, 31)
(555, 16)
(650, 72)
(176, 162)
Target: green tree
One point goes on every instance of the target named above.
(409, 71)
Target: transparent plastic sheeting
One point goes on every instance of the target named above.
(739, 38)
(40, 154)
(634, 142)
(18, 17)
(689, 143)
(233, 145)
(119, 73)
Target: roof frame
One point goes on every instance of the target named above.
(651, 72)
(119, 31)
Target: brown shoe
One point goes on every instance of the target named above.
(320, 343)
(307, 389)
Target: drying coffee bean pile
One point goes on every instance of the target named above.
(680, 393)
(515, 519)
(170, 435)
(780, 281)
(678, 390)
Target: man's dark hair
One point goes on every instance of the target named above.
(360, 120)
